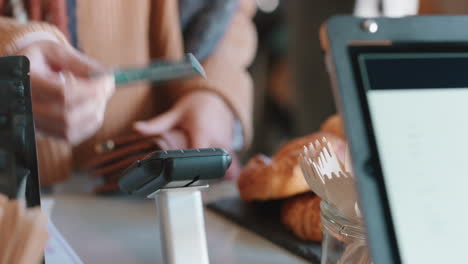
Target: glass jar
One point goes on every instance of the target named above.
(344, 237)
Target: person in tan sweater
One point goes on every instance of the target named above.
(73, 112)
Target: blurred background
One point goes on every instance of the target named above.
(292, 90)
(293, 95)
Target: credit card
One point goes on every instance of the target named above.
(159, 71)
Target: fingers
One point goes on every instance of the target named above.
(85, 122)
(66, 102)
(57, 69)
(59, 58)
(199, 139)
(235, 169)
(78, 90)
(63, 58)
(74, 125)
(159, 124)
(77, 112)
(206, 120)
(70, 90)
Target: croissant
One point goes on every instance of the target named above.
(301, 215)
(280, 177)
(334, 125)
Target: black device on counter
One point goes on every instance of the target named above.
(175, 169)
(401, 85)
(18, 161)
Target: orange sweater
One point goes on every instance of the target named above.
(122, 32)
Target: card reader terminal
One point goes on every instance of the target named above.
(175, 169)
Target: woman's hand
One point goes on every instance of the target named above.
(204, 117)
(66, 102)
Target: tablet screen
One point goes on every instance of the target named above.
(417, 103)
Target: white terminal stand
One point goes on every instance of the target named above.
(182, 225)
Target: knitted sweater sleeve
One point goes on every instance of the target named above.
(14, 35)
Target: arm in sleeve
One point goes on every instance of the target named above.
(226, 69)
(14, 36)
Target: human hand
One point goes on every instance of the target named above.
(66, 102)
(206, 120)
(197, 120)
(114, 155)
(204, 116)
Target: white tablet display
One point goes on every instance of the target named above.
(418, 107)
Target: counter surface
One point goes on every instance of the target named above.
(124, 230)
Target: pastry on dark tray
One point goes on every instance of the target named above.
(301, 215)
(280, 177)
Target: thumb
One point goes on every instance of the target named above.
(159, 124)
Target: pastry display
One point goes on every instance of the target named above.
(280, 177)
(301, 215)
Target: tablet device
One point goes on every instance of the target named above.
(401, 86)
(19, 178)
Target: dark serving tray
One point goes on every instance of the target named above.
(264, 219)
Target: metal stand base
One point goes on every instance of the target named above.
(181, 225)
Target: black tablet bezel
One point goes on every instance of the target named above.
(18, 132)
(430, 33)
